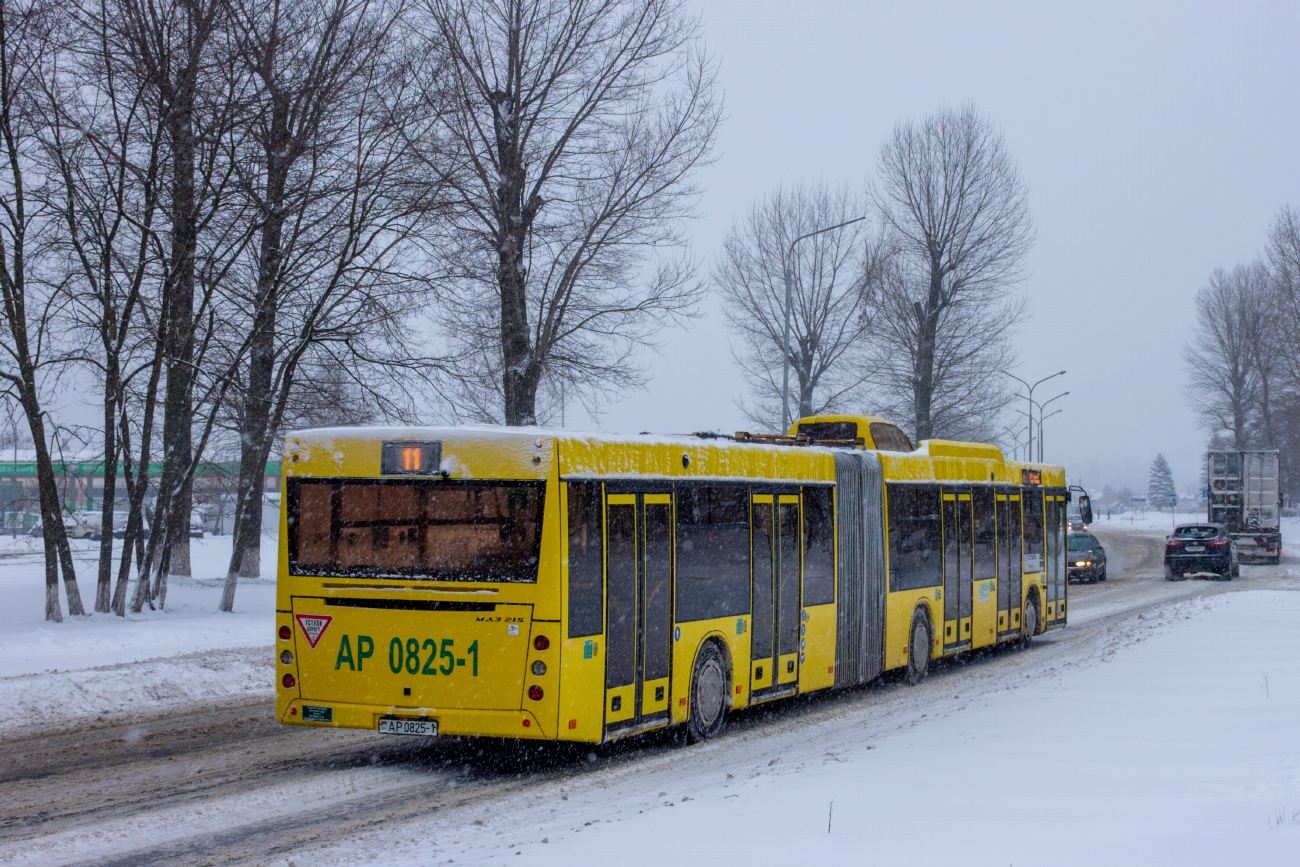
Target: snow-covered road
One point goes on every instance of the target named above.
(1159, 728)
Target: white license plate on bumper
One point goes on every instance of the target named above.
(1195, 549)
(393, 726)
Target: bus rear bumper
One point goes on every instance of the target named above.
(486, 723)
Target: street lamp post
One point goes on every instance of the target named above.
(1042, 418)
(785, 341)
(1030, 389)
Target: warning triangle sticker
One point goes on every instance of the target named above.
(313, 626)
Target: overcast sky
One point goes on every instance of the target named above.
(1158, 141)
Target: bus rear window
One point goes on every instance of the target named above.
(429, 529)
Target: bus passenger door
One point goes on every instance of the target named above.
(985, 575)
(788, 608)
(638, 612)
(1009, 589)
(656, 606)
(1054, 558)
(775, 560)
(762, 541)
(956, 570)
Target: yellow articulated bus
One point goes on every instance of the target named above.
(521, 583)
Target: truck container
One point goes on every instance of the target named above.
(1244, 497)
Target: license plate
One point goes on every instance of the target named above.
(1195, 549)
(391, 726)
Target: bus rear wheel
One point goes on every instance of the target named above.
(708, 694)
(918, 649)
(1029, 622)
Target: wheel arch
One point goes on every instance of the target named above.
(717, 638)
(925, 607)
(1033, 592)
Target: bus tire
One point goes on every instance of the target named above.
(919, 646)
(1029, 620)
(709, 685)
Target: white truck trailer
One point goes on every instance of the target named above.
(1244, 496)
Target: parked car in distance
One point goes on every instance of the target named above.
(119, 524)
(1085, 558)
(1197, 548)
(196, 526)
(74, 525)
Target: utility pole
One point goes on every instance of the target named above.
(785, 341)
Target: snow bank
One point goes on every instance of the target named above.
(102, 665)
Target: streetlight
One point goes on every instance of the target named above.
(1042, 418)
(785, 342)
(1031, 402)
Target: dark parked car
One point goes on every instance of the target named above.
(1201, 548)
(1085, 558)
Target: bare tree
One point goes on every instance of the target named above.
(955, 213)
(576, 129)
(1282, 255)
(1223, 379)
(28, 54)
(102, 147)
(830, 302)
(338, 199)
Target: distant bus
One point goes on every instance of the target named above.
(521, 583)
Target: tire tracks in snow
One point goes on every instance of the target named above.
(224, 784)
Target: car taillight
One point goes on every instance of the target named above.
(535, 692)
(285, 633)
(1218, 543)
(541, 642)
(1174, 543)
(288, 681)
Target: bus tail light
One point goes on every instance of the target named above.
(541, 642)
(289, 681)
(285, 633)
(534, 692)
(539, 668)
(286, 657)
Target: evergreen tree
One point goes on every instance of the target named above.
(1160, 484)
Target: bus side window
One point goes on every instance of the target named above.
(914, 537)
(819, 546)
(712, 551)
(986, 565)
(586, 602)
(1033, 506)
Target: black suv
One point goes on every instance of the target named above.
(1085, 559)
(1201, 548)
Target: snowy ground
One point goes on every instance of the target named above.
(1174, 742)
(101, 664)
(1159, 728)
(1164, 522)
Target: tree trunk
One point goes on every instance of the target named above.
(256, 427)
(176, 490)
(106, 509)
(58, 554)
(133, 538)
(520, 376)
(927, 337)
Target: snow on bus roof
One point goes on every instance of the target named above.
(501, 432)
(926, 448)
